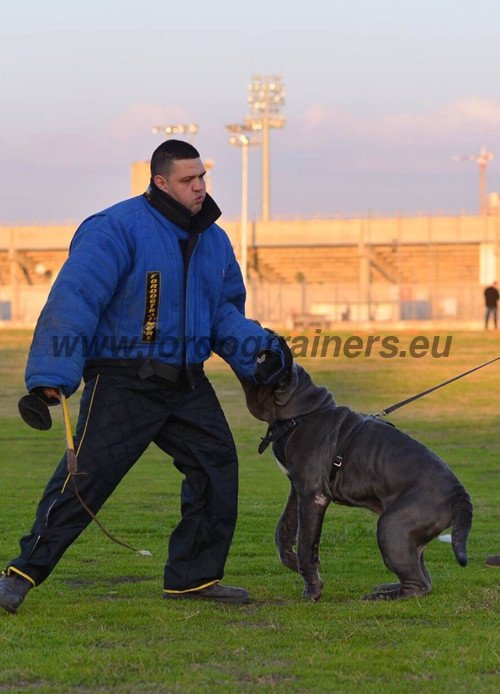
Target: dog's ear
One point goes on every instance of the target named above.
(286, 387)
(287, 352)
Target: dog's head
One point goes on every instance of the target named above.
(297, 396)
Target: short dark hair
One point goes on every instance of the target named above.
(168, 152)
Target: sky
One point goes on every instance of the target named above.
(380, 96)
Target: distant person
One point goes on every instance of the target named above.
(491, 297)
(150, 288)
(345, 312)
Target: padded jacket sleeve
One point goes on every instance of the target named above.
(97, 261)
(237, 339)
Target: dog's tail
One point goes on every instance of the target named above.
(460, 526)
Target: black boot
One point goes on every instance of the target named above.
(13, 590)
(215, 593)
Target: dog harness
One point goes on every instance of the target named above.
(339, 457)
(278, 430)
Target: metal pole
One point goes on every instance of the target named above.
(483, 195)
(265, 165)
(364, 273)
(243, 140)
(14, 281)
(244, 209)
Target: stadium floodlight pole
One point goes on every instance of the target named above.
(241, 137)
(266, 96)
(177, 129)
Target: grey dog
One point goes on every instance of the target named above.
(331, 453)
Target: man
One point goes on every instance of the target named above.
(150, 287)
(491, 297)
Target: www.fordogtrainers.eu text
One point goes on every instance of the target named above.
(353, 346)
(318, 345)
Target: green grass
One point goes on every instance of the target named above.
(98, 624)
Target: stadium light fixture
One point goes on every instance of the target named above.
(266, 97)
(190, 129)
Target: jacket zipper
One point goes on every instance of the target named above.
(189, 375)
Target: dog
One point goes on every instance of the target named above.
(331, 453)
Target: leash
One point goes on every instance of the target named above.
(390, 409)
(342, 452)
(72, 463)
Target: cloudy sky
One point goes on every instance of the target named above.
(380, 94)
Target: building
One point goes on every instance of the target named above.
(305, 273)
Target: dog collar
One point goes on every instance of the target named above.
(276, 431)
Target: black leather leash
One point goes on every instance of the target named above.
(339, 457)
(390, 409)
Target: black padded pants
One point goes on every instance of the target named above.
(119, 417)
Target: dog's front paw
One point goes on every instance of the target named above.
(384, 594)
(314, 591)
(384, 587)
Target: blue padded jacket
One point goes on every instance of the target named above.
(123, 294)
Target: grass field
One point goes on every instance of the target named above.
(99, 623)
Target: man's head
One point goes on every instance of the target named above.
(176, 168)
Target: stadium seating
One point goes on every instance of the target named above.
(403, 264)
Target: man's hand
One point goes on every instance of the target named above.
(51, 393)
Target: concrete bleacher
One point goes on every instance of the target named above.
(393, 264)
(403, 265)
(31, 267)
(33, 254)
(306, 264)
(431, 263)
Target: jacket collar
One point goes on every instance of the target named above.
(180, 215)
